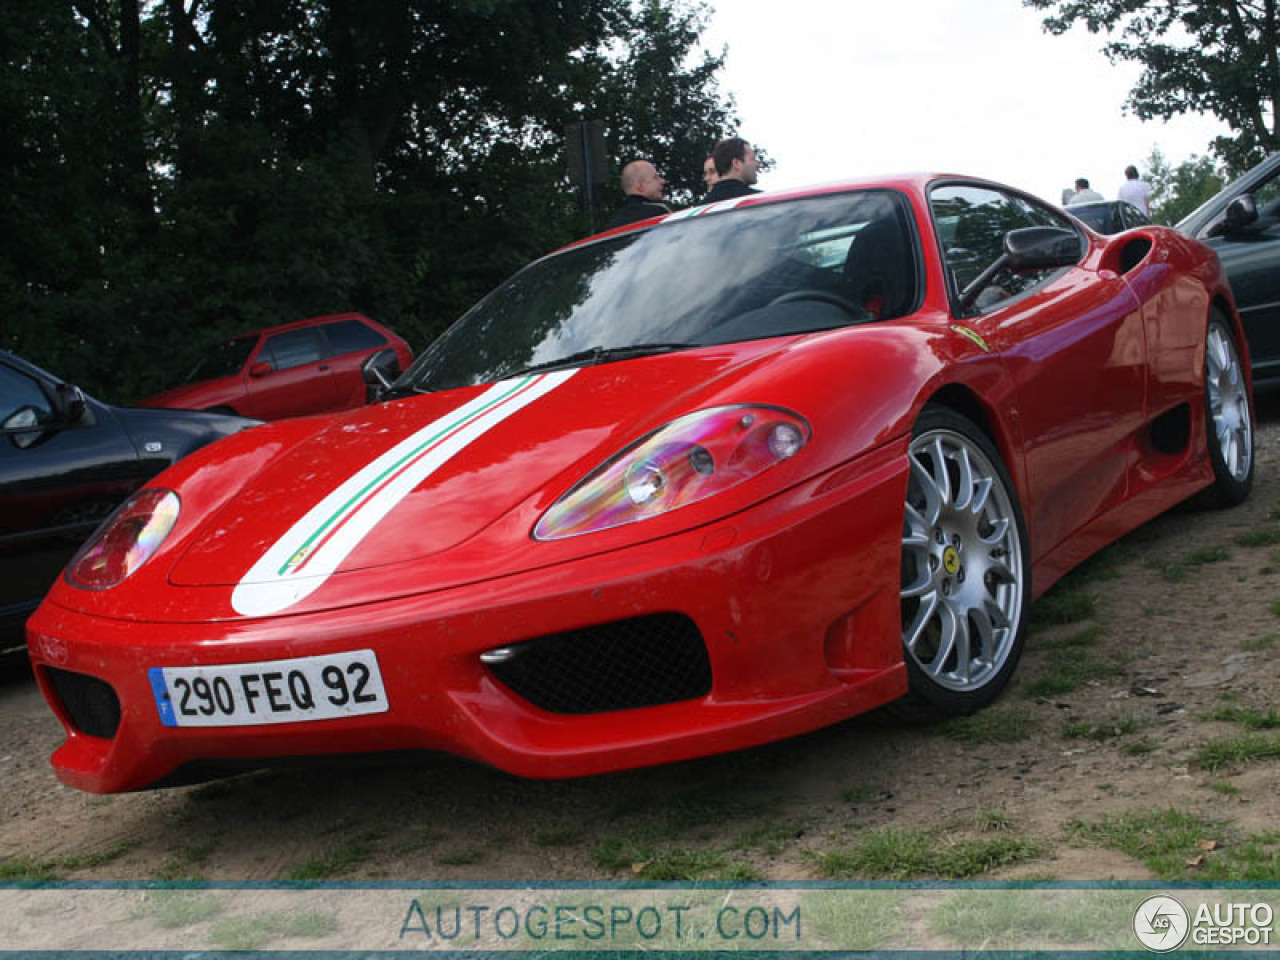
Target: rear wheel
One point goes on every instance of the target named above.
(1228, 417)
(966, 572)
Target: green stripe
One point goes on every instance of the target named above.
(336, 515)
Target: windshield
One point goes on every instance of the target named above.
(761, 271)
(224, 360)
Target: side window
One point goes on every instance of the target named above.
(348, 336)
(1267, 197)
(292, 349)
(23, 405)
(971, 222)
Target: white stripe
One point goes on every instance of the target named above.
(264, 590)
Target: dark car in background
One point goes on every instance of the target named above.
(67, 461)
(1242, 223)
(1109, 216)
(308, 366)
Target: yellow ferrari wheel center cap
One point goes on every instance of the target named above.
(951, 559)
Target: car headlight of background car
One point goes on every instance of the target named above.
(691, 458)
(127, 540)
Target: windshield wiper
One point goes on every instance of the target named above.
(594, 355)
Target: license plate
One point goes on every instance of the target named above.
(271, 691)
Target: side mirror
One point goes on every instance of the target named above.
(1041, 248)
(69, 403)
(379, 371)
(1029, 248)
(1240, 212)
(260, 369)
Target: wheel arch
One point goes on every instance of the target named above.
(967, 402)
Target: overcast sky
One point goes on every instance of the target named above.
(839, 88)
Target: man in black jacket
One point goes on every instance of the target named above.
(736, 164)
(643, 187)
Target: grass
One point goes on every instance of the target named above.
(1019, 919)
(1169, 842)
(998, 725)
(98, 858)
(257, 930)
(1267, 536)
(1138, 748)
(461, 858)
(1224, 787)
(174, 909)
(1107, 729)
(340, 860)
(1236, 752)
(1068, 670)
(558, 838)
(1162, 839)
(1088, 637)
(896, 853)
(26, 869)
(1176, 570)
(770, 839)
(1062, 604)
(679, 864)
(1259, 644)
(1251, 717)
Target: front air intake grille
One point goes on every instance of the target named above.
(639, 662)
(91, 704)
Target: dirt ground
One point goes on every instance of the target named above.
(1154, 706)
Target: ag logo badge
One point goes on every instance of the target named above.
(1161, 923)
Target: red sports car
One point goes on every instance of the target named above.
(308, 366)
(678, 489)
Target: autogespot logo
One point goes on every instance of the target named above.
(1161, 923)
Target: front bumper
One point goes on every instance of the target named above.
(796, 600)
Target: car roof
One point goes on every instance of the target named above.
(299, 324)
(914, 182)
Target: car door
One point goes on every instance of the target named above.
(1073, 343)
(350, 343)
(290, 376)
(1251, 257)
(59, 477)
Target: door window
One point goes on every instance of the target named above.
(23, 405)
(294, 348)
(972, 221)
(348, 336)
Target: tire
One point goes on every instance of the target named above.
(1228, 418)
(966, 571)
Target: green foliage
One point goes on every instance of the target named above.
(175, 173)
(1220, 57)
(895, 853)
(1178, 190)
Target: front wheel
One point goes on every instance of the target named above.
(966, 570)
(1228, 419)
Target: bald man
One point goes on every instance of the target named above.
(643, 187)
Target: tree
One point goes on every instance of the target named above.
(1198, 56)
(174, 171)
(1176, 191)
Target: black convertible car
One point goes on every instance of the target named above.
(1242, 223)
(66, 461)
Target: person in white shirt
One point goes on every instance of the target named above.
(1135, 191)
(1083, 194)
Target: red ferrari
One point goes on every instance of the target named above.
(686, 487)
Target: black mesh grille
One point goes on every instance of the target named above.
(640, 662)
(91, 704)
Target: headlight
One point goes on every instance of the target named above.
(126, 541)
(690, 459)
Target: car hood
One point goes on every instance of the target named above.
(405, 480)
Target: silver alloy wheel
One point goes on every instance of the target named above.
(1228, 402)
(962, 589)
